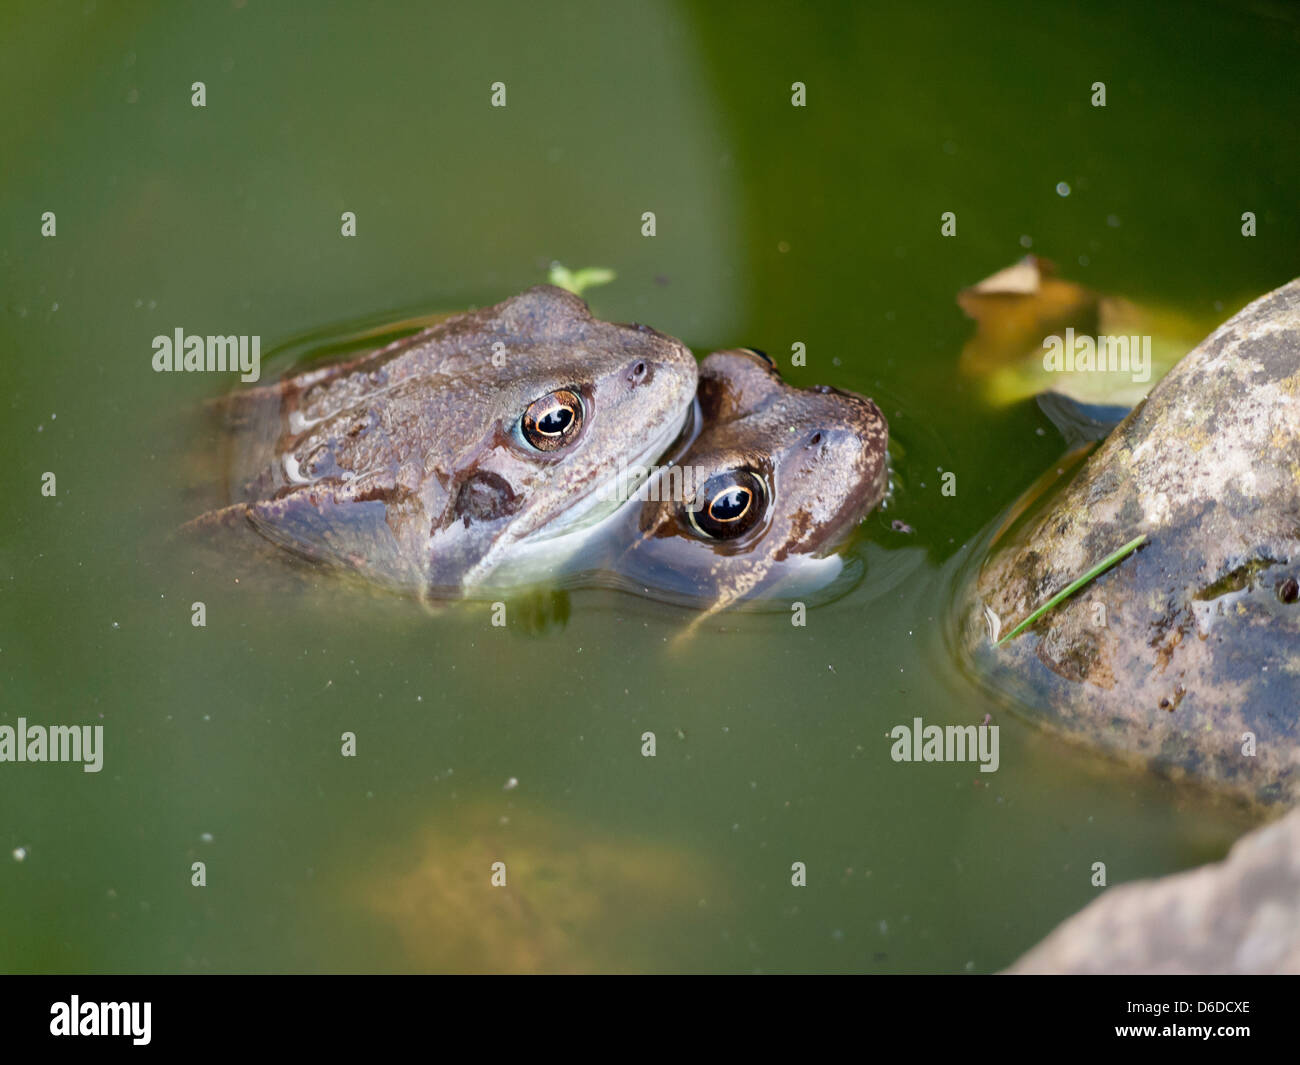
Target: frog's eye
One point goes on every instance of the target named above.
(553, 421)
(729, 505)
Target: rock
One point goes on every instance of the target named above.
(1241, 915)
(1185, 657)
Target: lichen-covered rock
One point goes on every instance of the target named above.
(1241, 915)
(1185, 657)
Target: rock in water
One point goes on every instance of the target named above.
(1185, 657)
(1241, 915)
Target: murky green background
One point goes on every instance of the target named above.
(775, 225)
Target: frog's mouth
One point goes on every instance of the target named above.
(539, 553)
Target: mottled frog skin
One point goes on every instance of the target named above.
(432, 463)
(778, 477)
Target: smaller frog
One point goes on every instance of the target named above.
(774, 481)
(434, 464)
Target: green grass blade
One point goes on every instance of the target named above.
(1074, 586)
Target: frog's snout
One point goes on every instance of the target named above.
(673, 372)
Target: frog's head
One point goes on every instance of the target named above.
(553, 406)
(775, 480)
(487, 439)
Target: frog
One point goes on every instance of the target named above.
(426, 465)
(759, 498)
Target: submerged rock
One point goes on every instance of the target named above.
(1185, 657)
(499, 889)
(1241, 915)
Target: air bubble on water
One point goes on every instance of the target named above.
(1062, 189)
(206, 837)
(116, 625)
(1084, 260)
(511, 784)
(1026, 241)
(20, 853)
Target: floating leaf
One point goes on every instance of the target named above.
(1017, 309)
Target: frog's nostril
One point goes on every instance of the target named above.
(640, 373)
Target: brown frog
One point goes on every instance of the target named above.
(436, 462)
(774, 481)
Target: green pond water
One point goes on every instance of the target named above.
(475, 744)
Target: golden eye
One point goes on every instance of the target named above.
(552, 421)
(732, 504)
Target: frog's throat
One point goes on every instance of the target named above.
(561, 538)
